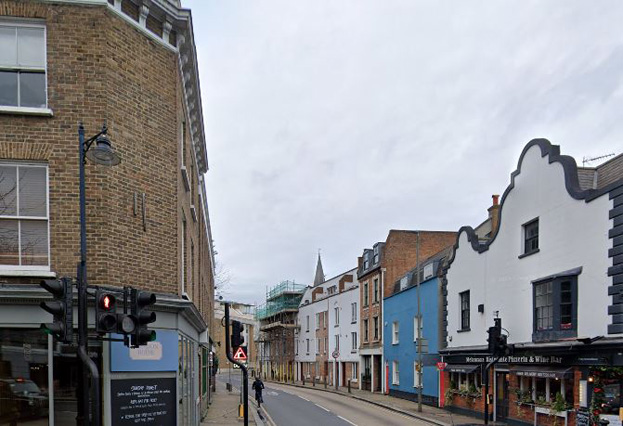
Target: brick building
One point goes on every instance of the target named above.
(245, 313)
(133, 65)
(378, 269)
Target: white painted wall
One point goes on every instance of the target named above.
(572, 233)
(326, 302)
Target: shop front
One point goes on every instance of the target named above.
(537, 388)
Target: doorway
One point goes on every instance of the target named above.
(501, 402)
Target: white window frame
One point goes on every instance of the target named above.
(11, 109)
(395, 373)
(336, 310)
(337, 342)
(353, 337)
(417, 322)
(317, 321)
(32, 268)
(395, 333)
(353, 307)
(307, 341)
(307, 328)
(354, 371)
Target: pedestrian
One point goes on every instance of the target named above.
(258, 385)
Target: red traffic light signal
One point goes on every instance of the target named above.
(107, 302)
(105, 312)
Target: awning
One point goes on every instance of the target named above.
(541, 371)
(461, 368)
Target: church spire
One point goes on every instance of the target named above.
(319, 278)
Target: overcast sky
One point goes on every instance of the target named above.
(330, 122)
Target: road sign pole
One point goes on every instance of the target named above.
(245, 375)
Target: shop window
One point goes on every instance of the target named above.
(24, 386)
(555, 309)
(24, 242)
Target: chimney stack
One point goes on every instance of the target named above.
(494, 213)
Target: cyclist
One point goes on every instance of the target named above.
(258, 385)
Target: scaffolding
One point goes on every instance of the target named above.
(285, 296)
(277, 319)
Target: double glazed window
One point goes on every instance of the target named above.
(22, 65)
(555, 308)
(24, 242)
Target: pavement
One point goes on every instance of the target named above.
(224, 408)
(431, 415)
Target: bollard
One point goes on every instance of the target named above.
(348, 385)
(325, 382)
(303, 380)
(314, 381)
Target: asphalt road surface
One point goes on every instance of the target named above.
(293, 406)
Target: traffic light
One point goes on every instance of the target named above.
(139, 301)
(494, 336)
(105, 312)
(61, 308)
(237, 339)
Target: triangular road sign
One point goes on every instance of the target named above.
(240, 355)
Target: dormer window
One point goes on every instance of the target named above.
(376, 254)
(366, 260)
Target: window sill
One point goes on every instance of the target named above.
(463, 330)
(25, 273)
(395, 343)
(43, 112)
(521, 256)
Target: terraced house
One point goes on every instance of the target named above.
(132, 66)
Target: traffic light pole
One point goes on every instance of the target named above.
(87, 363)
(487, 367)
(245, 375)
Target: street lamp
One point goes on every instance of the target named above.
(104, 155)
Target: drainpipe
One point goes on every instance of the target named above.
(384, 387)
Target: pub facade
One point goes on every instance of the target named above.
(549, 272)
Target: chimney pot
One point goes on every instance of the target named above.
(496, 199)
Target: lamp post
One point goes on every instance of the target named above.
(102, 154)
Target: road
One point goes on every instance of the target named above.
(289, 405)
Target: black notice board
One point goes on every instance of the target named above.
(143, 402)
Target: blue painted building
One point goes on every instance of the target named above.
(400, 345)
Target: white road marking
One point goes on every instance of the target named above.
(326, 409)
(272, 393)
(347, 421)
(304, 398)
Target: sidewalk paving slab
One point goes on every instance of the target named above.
(433, 415)
(224, 408)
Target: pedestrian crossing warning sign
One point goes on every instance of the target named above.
(240, 355)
